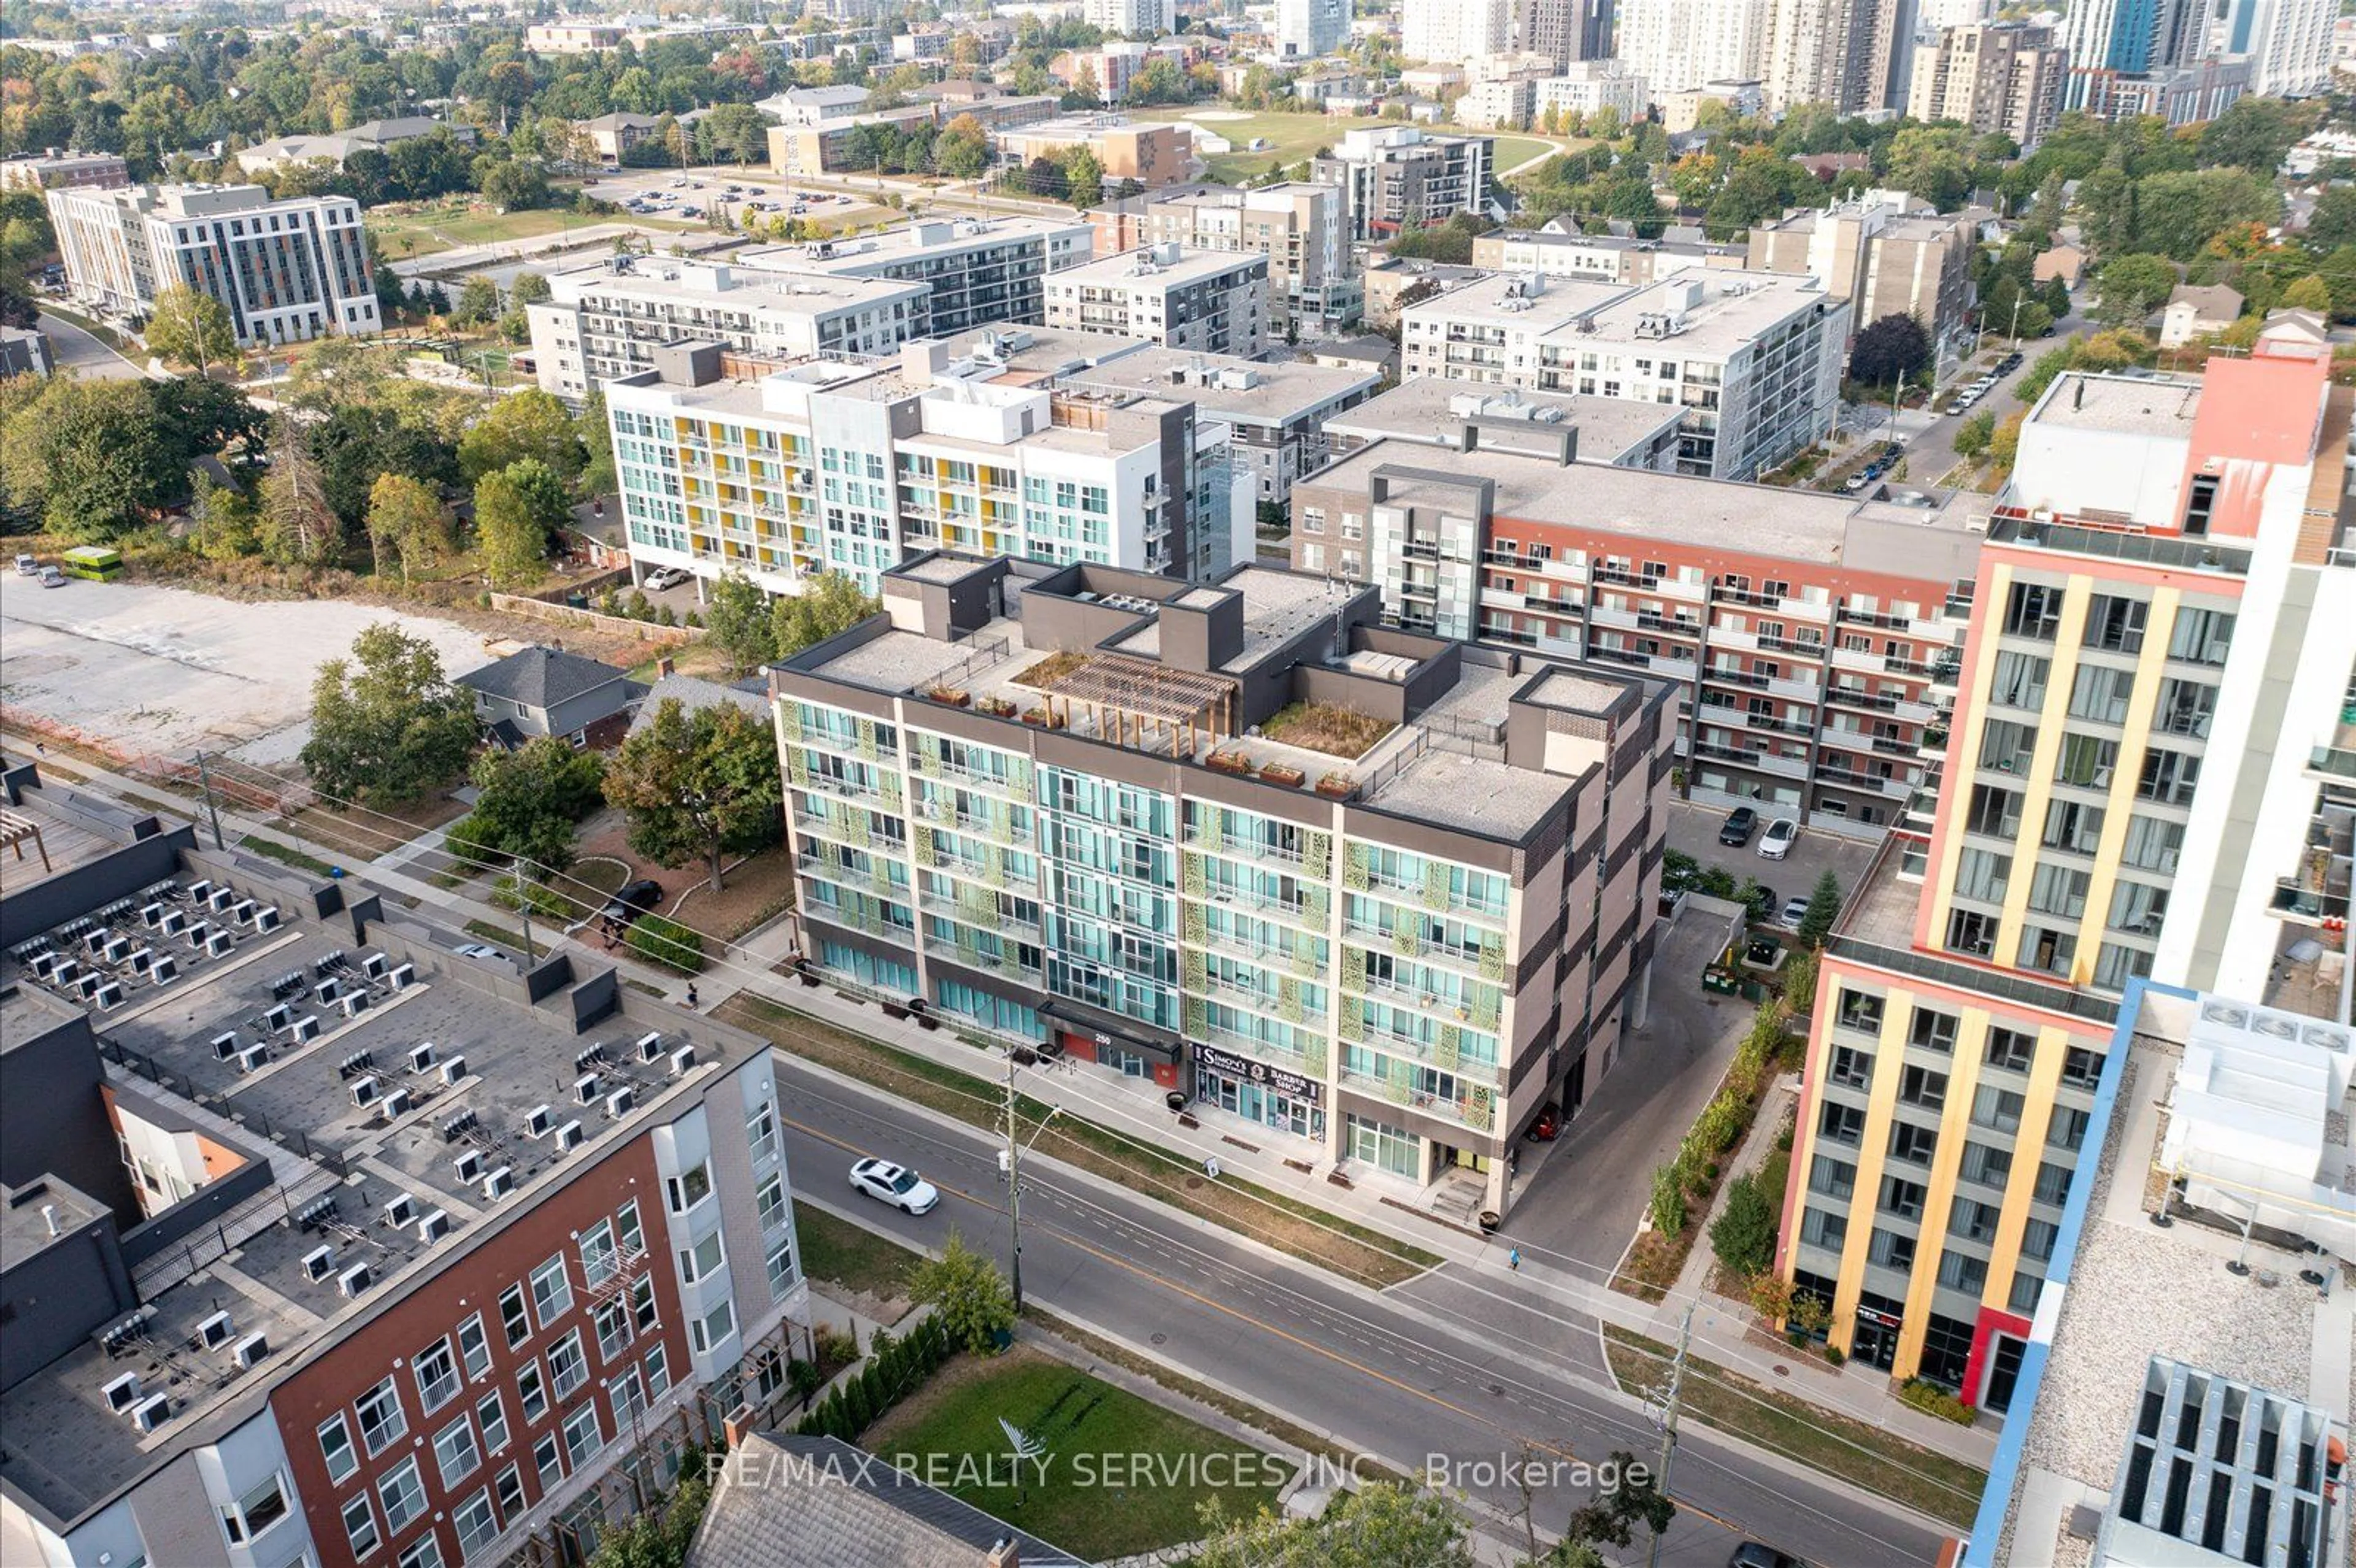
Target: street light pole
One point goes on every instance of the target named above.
(1012, 1163)
(2015, 333)
(1669, 1422)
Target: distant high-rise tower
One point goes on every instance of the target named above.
(1566, 30)
(1674, 44)
(2130, 37)
(2288, 43)
(1306, 29)
(1451, 30)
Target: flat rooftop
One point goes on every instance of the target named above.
(1731, 309)
(1428, 409)
(746, 288)
(1141, 268)
(51, 830)
(1705, 514)
(907, 241)
(2126, 405)
(1230, 388)
(1043, 352)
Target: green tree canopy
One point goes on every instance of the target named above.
(739, 621)
(1824, 909)
(1379, 1526)
(529, 288)
(528, 423)
(828, 606)
(406, 517)
(510, 539)
(191, 328)
(386, 727)
(478, 301)
(88, 457)
(699, 786)
(966, 1292)
(530, 798)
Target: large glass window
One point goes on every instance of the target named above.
(383, 1421)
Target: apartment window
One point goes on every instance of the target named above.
(1891, 1249)
(770, 1202)
(548, 1460)
(2200, 504)
(491, 1414)
(714, 1328)
(2058, 890)
(568, 1367)
(474, 1349)
(2073, 827)
(2068, 1129)
(2037, 1239)
(513, 1318)
(702, 1260)
(1911, 1143)
(1852, 1066)
(2052, 951)
(1983, 874)
(780, 1264)
(583, 1436)
(2116, 624)
(1985, 1166)
(644, 1311)
(2010, 1050)
(1312, 519)
(689, 1187)
(1997, 1108)
(1840, 1124)
(256, 1511)
(628, 1401)
(2115, 964)
(1995, 812)
(2087, 761)
(1353, 526)
(2022, 1298)
(2168, 778)
(456, 1453)
(478, 1526)
(2033, 609)
(2018, 680)
(2052, 1183)
(2200, 636)
(1972, 933)
(1860, 1010)
(336, 1447)
(761, 1132)
(1959, 1271)
(598, 1262)
(613, 1323)
(1923, 1087)
(403, 1495)
(658, 1372)
(508, 1491)
(359, 1526)
(2007, 746)
(1833, 1177)
(531, 1389)
(1902, 1199)
(552, 1291)
(1819, 1229)
(383, 1421)
(1972, 1220)
(1932, 1031)
(2080, 1068)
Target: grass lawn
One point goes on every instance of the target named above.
(1089, 1493)
(1930, 1483)
(1291, 138)
(846, 1254)
(446, 225)
(285, 855)
(1512, 152)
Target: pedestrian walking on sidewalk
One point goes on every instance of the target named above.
(1513, 1260)
(691, 996)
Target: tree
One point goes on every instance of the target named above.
(597, 438)
(190, 329)
(478, 301)
(964, 1289)
(406, 515)
(529, 288)
(962, 149)
(512, 542)
(2333, 222)
(1383, 1525)
(1085, 177)
(828, 606)
(740, 622)
(544, 496)
(1633, 1498)
(88, 457)
(2133, 286)
(1744, 1235)
(1824, 909)
(385, 726)
(1889, 350)
(699, 784)
(528, 423)
(530, 798)
(1973, 435)
(299, 524)
(2310, 293)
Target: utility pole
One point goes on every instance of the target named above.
(1013, 1184)
(204, 777)
(1669, 1422)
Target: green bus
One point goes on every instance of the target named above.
(94, 562)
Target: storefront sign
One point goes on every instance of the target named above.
(1885, 1320)
(1249, 1071)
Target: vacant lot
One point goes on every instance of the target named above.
(149, 668)
(445, 225)
(1291, 138)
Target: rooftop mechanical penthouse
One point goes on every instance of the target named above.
(1380, 895)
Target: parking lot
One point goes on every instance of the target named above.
(693, 195)
(1693, 829)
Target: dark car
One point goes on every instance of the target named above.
(634, 899)
(1739, 824)
(1759, 1555)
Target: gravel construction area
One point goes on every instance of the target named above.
(161, 670)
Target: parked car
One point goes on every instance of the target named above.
(1777, 841)
(26, 566)
(634, 899)
(1739, 824)
(1547, 1125)
(1794, 908)
(1759, 1555)
(895, 1184)
(478, 950)
(52, 578)
(663, 577)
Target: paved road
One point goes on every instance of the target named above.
(1931, 452)
(81, 354)
(1397, 1376)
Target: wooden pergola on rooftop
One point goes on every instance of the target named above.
(15, 828)
(1139, 703)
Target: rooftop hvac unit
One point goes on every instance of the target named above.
(568, 1136)
(364, 1090)
(396, 1104)
(224, 1046)
(434, 1227)
(499, 1184)
(116, 950)
(374, 965)
(306, 1028)
(109, 995)
(327, 990)
(584, 1088)
(122, 1393)
(250, 1351)
(454, 1070)
(402, 977)
(682, 1059)
(618, 1102)
(163, 971)
(94, 942)
(401, 1210)
(174, 924)
(142, 960)
(278, 1018)
(244, 912)
(44, 964)
(200, 891)
(469, 1164)
(218, 944)
(352, 1066)
(355, 1002)
(650, 1047)
(152, 916)
(267, 920)
(254, 1059)
(220, 898)
(353, 1280)
(317, 1262)
(151, 1413)
(537, 1121)
(421, 1057)
(213, 1332)
(87, 984)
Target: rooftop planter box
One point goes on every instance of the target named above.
(1326, 727)
(1042, 718)
(1337, 786)
(950, 696)
(996, 706)
(1282, 774)
(1229, 762)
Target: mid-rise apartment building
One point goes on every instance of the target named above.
(1850, 55)
(2002, 79)
(1565, 252)
(1444, 32)
(1754, 359)
(1811, 638)
(1153, 153)
(2288, 43)
(328, 1245)
(287, 271)
(974, 271)
(1310, 29)
(55, 170)
(1213, 301)
(1131, 18)
(1299, 226)
(1279, 414)
(1396, 177)
(824, 466)
(1882, 253)
(1567, 32)
(1055, 808)
(1589, 87)
(1672, 44)
(2144, 779)
(607, 320)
